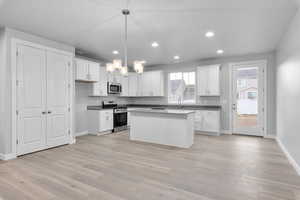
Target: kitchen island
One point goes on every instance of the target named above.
(162, 126)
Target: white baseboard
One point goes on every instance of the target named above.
(289, 156)
(226, 132)
(7, 156)
(81, 133)
(270, 137)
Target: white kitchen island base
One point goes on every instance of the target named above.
(167, 127)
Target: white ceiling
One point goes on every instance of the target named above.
(241, 26)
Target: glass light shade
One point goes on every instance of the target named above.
(124, 71)
(140, 70)
(109, 67)
(117, 64)
(138, 67)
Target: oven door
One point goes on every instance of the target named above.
(114, 88)
(120, 119)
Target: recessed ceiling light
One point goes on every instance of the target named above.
(220, 51)
(154, 44)
(209, 34)
(115, 52)
(176, 57)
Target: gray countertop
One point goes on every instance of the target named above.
(170, 106)
(161, 111)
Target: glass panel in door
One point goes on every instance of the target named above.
(247, 100)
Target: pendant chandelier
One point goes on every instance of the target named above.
(116, 65)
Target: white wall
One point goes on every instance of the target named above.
(5, 77)
(224, 61)
(288, 89)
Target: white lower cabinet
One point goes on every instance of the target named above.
(100, 121)
(207, 121)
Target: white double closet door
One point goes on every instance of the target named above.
(43, 99)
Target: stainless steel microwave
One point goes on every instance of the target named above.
(114, 88)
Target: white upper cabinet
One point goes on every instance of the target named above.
(133, 84)
(152, 83)
(94, 69)
(146, 84)
(124, 81)
(86, 70)
(82, 69)
(157, 83)
(208, 83)
(100, 87)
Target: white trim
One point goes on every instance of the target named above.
(14, 42)
(289, 156)
(8, 156)
(264, 64)
(81, 133)
(226, 132)
(270, 137)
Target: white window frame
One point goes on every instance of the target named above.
(183, 71)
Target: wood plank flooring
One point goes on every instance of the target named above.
(113, 168)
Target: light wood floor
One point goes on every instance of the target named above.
(112, 167)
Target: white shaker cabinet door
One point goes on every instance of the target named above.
(58, 94)
(202, 82)
(208, 80)
(100, 87)
(94, 69)
(82, 70)
(133, 84)
(207, 121)
(125, 86)
(106, 120)
(157, 83)
(214, 80)
(211, 122)
(31, 99)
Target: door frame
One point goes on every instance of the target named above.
(13, 59)
(262, 63)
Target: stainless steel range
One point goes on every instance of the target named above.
(120, 115)
(120, 118)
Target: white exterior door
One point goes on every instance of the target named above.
(31, 99)
(58, 92)
(248, 98)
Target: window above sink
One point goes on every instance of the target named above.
(182, 87)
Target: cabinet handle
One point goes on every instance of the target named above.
(49, 112)
(44, 112)
(233, 107)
